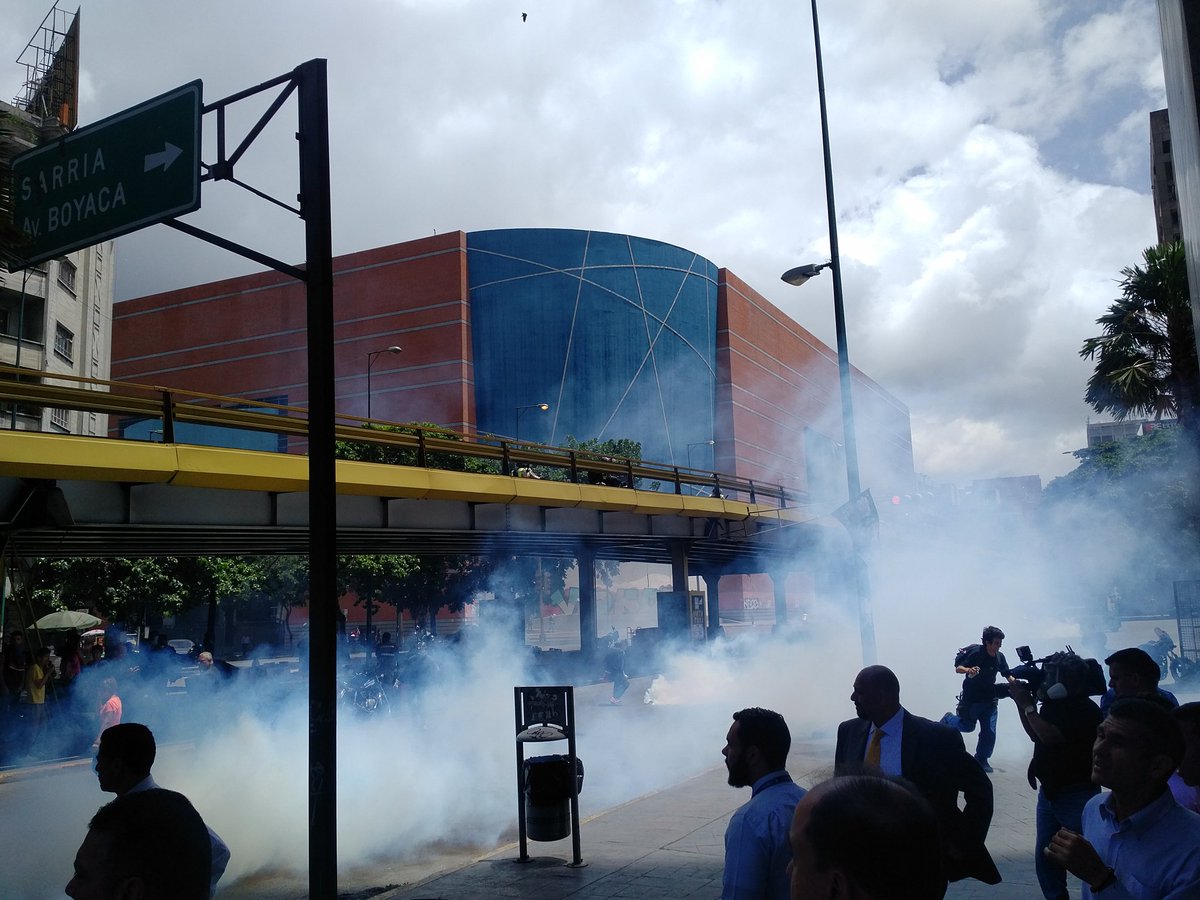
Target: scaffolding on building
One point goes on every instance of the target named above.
(51, 60)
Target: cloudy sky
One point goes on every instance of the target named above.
(991, 161)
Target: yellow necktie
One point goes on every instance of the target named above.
(873, 750)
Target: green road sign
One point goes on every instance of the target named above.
(123, 173)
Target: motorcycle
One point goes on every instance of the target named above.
(1161, 649)
(1183, 669)
(363, 693)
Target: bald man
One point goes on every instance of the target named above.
(866, 837)
(886, 737)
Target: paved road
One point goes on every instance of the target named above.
(663, 844)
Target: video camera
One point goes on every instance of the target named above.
(1044, 676)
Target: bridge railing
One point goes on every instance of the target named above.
(393, 442)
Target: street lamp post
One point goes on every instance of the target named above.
(798, 276)
(520, 409)
(371, 357)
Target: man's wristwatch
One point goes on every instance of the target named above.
(1031, 709)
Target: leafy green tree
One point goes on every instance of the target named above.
(449, 581)
(366, 451)
(1126, 518)
(285, 580)
(133, 590)
(1146, 356)
(215, 578)
(375, 579)
(116, 588)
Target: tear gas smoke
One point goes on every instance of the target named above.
(440, 771)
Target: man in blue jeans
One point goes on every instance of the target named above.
(1062, 732)
(980, 663)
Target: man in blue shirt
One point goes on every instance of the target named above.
(757, 851)
(1133, 673)
(1137, 841)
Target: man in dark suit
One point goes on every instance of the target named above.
(932, 756)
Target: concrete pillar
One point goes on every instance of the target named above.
(712, 600)
(587, 604)
(679, 566)
(779, 583)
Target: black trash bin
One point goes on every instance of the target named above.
(548, 796)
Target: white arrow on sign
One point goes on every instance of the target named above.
(168, 155)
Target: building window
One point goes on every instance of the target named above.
(64, 342)
(66, 274)
(1166, 145)
(4, 321)
(61, 418)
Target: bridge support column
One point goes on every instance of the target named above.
(679, 566)
(587, 605)
(713, 601)
(779, 583)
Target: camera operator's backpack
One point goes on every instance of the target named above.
(963, 652)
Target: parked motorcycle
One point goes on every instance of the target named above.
(363, 693)
(1161, 649)
(1183, 669)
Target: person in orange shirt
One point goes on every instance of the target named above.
(110, 708)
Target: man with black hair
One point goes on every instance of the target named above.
(756, 839)
(151, 845)
(1137, 841)
(1062, 732)
(980, 664)
(1185, 783)
(888, 738)
(1132, 672)
(123, 763)
(868, 837)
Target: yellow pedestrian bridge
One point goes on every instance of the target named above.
(65, 495)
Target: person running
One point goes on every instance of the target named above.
(980, 664)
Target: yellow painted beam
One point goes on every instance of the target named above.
(33, 454)
(52, 456)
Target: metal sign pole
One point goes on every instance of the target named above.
(322, 480)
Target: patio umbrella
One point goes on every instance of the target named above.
(67, 619)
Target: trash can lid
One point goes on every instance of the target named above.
(541, 733)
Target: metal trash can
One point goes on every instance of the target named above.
(548, 796)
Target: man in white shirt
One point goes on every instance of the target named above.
(123, 765)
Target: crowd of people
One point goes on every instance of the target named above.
(889, 824)
(906, 812)
(56, 700)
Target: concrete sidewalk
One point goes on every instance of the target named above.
(670, 844)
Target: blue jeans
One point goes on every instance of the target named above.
(1064, 811)
(985, 712)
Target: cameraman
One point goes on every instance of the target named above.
(1062, 732)
(980, 663)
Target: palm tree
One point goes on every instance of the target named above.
(1146, 357)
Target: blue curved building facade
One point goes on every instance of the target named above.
(616, 333)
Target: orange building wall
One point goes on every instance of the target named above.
(245, 337)
(775, 379)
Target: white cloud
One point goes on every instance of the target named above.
(979, 152)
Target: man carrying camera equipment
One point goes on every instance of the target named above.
(980, 663)
(1062, 732)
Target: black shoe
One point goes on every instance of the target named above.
(983, 765)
